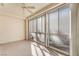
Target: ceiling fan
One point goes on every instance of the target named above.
(24, 7)
(27, 7)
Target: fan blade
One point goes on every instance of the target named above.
(27, 7)
(29, 11)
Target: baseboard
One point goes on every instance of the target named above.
(11, 42)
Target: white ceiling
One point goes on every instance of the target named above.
(15, 9)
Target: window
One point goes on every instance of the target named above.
(41, 29)
(64, 23)
(43, 24)
(59, 28)
(30, 26)
(39, 24)
(52, 28)
(53, 21)
(64, 20)
(34, 25)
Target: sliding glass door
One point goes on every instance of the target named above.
(64, 27)
(59, 28)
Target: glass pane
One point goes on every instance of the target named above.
(34, 26)
(59, 28)
(41, 29)
(64, 20)
(64, 23)
(30, 26)
(43, 24)
(53, 28)
(59, 42)
(53, 22)
(39, 24)
(30, 29)
(34, 29)
(41, 38)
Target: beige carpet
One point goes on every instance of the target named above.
(25, 48)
